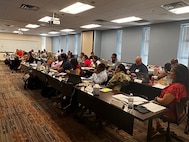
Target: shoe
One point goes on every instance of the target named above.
(160, 129)
(153, 132)
(186, 130)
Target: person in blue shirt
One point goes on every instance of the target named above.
(137, 67)
(65, 64)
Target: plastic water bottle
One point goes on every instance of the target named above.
(130, 102)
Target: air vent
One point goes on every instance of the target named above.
(142, 21)
(8, 25)
(28, 7)
(100, 20)
(174, 5)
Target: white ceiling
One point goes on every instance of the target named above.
(13, 17)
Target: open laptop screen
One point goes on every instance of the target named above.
(143, 76)
(74, 79)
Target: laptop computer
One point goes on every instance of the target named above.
(143, 76)
(74, 79)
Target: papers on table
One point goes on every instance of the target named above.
(62, 73)
(136, 99)
(87, 68)
(158, 85)
(105, 90)
(153, 107)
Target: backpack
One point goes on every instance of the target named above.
(32, 83)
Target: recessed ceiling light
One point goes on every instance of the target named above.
(127, 19)
(90, 26)
(44, 34)
(53, 32)
(33, 26)
(23, 29)
(16, 32)
(45, 19)
(67, 30)
(76, 8)
(179, 7)
(180, 10)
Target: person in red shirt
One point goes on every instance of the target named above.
(87, 61)
(174, 92)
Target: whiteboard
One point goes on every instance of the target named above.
(9, 45)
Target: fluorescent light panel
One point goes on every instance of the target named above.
(53, 32)
(127, 19)
(76, 8)
(45, 19)
(180, 10)
(33, 26)
(67, 30)
(23, 29)
(90, 26)
(44, 34)
(16, 32)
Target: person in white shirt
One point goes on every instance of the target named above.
(100, 76)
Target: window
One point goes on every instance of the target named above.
(145, 45)
(119, 44)
(43, 43)
(183, 47)
(76, 45)
(67, 38)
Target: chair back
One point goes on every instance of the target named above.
(181, 109)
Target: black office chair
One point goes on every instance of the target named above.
(180, 108)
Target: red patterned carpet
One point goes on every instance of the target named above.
(26, 116)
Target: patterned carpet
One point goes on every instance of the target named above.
(26, 116)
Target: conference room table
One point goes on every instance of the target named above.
(101, 104)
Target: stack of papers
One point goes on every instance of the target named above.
(153, 107)
(136, 99)
(160, 86)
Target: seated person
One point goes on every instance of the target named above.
(92, 55)
(50, 58)
(65, 64)
(56, 64)
(86, 61)
(81, 58)
(174, 61)
(119, 79)
(174, 92)
(100, 76)
(167, 68)
(137, 67)
(114, 62)
(30, 58)
(95, 62)
(76, 68)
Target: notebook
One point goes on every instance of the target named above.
(143, 76)
(74, 79)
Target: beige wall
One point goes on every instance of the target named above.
(38, 39)
(87, 42)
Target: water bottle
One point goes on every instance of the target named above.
(130, 102)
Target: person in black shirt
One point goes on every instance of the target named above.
(65, 64)
(137, 67)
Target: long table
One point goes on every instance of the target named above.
(101, 106)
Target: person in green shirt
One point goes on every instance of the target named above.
(119, 78)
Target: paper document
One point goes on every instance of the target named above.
(136, 99)
(153, 107)
(159, 86)
(120, 97)
(106, 90)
